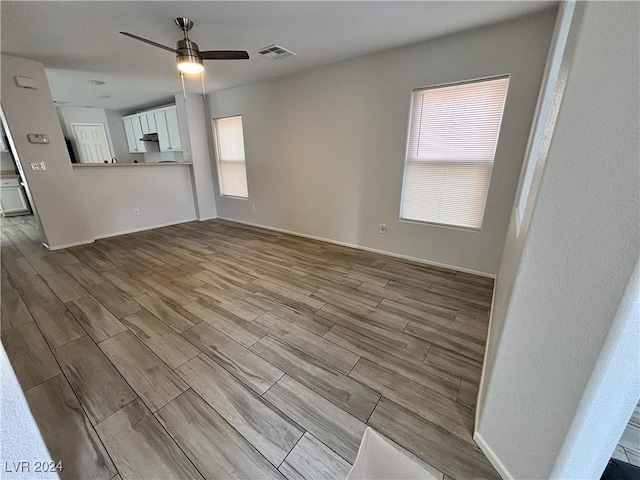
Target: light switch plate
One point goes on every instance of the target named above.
(38, 166)
(38, 138)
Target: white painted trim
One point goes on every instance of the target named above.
(68, 245)
(367, 249)
(476, 418)
(124, 232)
(135, 230)
(552, 88)
(492, 457)
(207, 218)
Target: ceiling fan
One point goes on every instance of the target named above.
(188, 56)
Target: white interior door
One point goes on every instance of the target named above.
(91, 142)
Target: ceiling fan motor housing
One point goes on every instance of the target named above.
(187, 51)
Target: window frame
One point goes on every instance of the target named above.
(217, 155)
(401, 219)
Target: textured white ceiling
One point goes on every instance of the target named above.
(79, 40)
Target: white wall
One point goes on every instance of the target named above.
(610, 396)
(551, 92)
(56, 195)
(576, 264)
(76, 204)
(69, 115)
(325, 148)
(195, 145)
(119, 138)
(162, 193)
(21, 438)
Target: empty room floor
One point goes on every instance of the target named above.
(217, 350)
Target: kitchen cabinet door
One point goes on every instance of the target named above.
(13, 200)
(163, 131)
(174, 129)
(144, 124)
(151, 122)
(131, 138)
(137, 133)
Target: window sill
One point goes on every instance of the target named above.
(442, 225)
(234, 197)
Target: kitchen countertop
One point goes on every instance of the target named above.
(97, 165)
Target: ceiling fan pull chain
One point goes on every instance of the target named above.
(184, 92)
(204, 95)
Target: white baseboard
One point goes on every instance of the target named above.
(207, 218)
(479, 399)
(68, 245)
(492, 457)
(142, 229)
(367, 249)
(115, 234)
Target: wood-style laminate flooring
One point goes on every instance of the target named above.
(216, 350)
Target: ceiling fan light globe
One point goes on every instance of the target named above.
(189, 68)
(190, 64)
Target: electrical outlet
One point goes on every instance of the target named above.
(136, 211)
(383, 228)
(253, 207)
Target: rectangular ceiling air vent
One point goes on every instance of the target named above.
(275, 52)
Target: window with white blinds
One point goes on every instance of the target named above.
(232, 170)
(453, 134)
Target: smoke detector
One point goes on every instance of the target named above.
(275, 52)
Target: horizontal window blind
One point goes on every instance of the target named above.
(232, 171)
(453, 135)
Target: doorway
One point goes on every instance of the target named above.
(91, 142)
(18, 215)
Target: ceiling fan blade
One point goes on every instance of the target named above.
(150, 42)
(224, 55)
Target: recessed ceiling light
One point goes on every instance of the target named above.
(105, 96)
(97, 82)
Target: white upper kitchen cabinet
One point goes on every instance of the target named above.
(144, 124)
(148, 122)
(163, 132)
(166, 120)
(133, 132)
(151, 122)
(174, 129)
(163, 121)
(128, 130)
